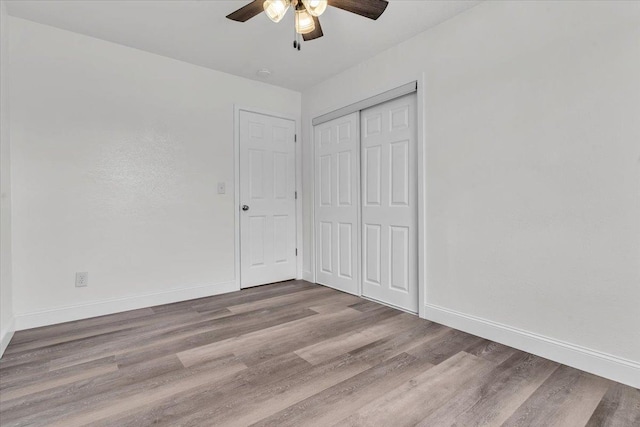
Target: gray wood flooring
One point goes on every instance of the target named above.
(290, 354)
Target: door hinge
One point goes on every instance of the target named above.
(295, 137)
(296, 195)
(296, 251)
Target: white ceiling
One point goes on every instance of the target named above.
(198, 32)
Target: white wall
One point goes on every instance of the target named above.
(6, 305)
(116, 154)
(533, 170)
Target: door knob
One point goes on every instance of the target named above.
(245, 207)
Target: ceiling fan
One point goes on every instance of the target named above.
(307, 13)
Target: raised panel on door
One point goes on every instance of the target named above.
(281, 231)
(267, 189)
(336, 203)
(326, 181)
(399, 173)
(399, 258)
(389, 205)
(326, 247)
(346, 250)
(372, 175)
(280, 175)
(257, 235)
(372, 252)
(344, 177)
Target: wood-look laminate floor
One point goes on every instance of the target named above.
(290, 354)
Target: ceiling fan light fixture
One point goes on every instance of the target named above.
(315, 7)
(304, 22)
(276, 9)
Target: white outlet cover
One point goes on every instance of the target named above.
(222, 188)
(82, 279)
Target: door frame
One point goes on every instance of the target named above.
(421, 142)
(236, 185)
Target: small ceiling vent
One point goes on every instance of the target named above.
(263, 73)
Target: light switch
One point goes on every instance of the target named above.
(222, 188)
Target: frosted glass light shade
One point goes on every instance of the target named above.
(304, 22)
(315, 7)
(276, 9)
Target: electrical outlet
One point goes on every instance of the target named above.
(222, 188)
(82, 279)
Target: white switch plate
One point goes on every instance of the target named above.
(222, 188)
(82, 279)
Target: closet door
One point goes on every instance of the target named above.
(337, 169)
(389, 203)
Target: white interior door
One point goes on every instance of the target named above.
(337, 151)
(389, 203)
(267, 199)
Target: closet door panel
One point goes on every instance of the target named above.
(337, 169)
(389, 205)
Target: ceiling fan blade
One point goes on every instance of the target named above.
(315, 34)
(371, 9)
(247, 12)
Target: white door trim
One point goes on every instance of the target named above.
(422, 164)
(422, 192)
(236, 185)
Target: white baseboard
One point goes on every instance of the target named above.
(606, 365)
(6, 334)
(116, 305)
(308, 276)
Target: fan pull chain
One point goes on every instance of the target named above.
(297, 43)
(295, 34)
